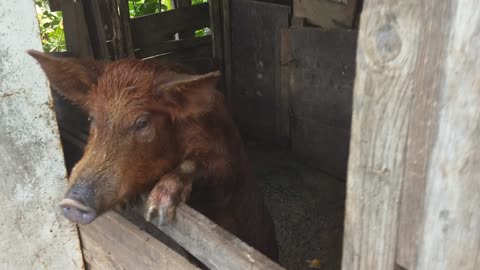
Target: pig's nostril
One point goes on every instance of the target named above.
(77, 212)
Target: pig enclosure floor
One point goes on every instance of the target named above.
(307, 207)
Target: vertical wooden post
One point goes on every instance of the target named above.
(451, 228)
(414, 178)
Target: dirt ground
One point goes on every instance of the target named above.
(307, 207)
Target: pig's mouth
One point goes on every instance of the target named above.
(77, 212)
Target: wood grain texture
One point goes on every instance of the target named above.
(451, 230)
(111, 242)
(256, 28)
(415, 129)
(429, 75)
(386, 58)
(321, 75)
(210, 243)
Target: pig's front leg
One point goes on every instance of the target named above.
(172, 189)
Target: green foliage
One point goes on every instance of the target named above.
(51, 27)
(51, 23)
(144, 7)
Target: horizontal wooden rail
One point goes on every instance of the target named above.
(151, 30)
(173, 45)
(210, 243)
(112, 242)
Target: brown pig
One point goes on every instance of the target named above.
(160, 129)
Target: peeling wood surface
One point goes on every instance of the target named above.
(32, 171)
(111, 242)
(382, 102)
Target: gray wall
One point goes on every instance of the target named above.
(33, 235)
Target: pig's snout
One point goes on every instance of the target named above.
(76, 206)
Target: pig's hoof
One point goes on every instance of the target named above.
(165, 213)
(161, 203)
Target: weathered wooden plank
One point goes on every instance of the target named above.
(32, 171)
(198, 58)
(255, 58)
(386, 65)
(76, 31)
(125, 25)
(190, 33)
(321, 75)
(227, 50)
(210, 243)
(172, 45)
(451, 229)
(324, 13)
(284, 118)
(97, 28)
(420, 134)
(111, 242)
(121, 38)
(216, 30)
(149, 30)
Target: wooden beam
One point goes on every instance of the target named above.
(150, 30)
(112, 242)
(382, 102)
(324, 13)
(77, 37)
(412, 193)
(210, 243)
(451, 229)
(227, 50)
(173, 45)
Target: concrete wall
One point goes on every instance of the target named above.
(33, 235)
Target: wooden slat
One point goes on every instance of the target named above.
(198, 58)
(97, 28)
(321, 75)
(111, 242)
(172, 45)
(150, 30)
(216, 29)
(76, 31)
(184, 4)
(451, 229)
(211, 244)
(324, 13)
(227, 50)
(55, 5)
(255, 38)
(415, 130)
(386, 58)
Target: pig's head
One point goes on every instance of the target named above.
(134, 109)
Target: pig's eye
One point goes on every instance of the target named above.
(91, 118)
(142, 123)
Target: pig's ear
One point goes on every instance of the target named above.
(69, 77)
(186, 95)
